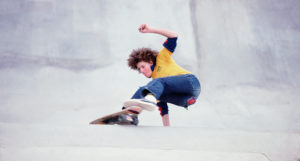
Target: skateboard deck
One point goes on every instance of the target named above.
(113, 118)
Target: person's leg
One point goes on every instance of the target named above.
(146, 96)
(138, 94)
(182, 90)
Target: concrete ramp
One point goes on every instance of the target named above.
(94, 142)
(113, 154)
(63, 64)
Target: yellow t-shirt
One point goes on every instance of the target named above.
(166, 66)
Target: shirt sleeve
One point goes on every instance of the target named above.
(170, 44)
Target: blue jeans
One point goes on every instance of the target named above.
(181, 90)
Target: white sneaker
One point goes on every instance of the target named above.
(143, 103)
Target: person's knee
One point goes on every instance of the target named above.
(191, 101)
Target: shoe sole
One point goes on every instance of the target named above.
(139, 103)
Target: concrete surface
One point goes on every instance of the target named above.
(63, 64)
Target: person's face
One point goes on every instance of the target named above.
(145, 68)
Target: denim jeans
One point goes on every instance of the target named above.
(181, 90)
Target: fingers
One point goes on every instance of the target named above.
(143, 28)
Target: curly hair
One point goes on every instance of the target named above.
(141, 54)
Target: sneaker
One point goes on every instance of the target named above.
(143, 103)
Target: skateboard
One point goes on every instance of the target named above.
(125, 117)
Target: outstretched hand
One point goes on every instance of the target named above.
(144, 28)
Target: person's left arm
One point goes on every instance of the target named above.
(166, 120)
(144, 28)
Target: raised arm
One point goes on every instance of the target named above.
(144, 28)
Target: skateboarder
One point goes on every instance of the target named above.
(170, 83)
